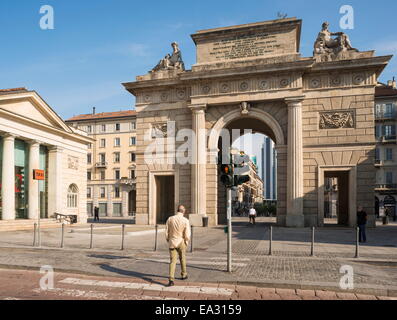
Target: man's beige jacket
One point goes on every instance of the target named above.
(177, 230)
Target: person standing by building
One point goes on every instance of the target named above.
(362, 224)
(96, 214)
(177, 233)
(252, 215)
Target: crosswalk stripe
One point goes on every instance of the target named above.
(146, 286)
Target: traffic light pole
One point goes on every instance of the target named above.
(229, 228)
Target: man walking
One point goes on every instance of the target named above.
(96, 214)
(362, 224)
(252, 215)
(177, 233)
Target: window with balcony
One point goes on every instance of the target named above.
(103, 192)
(117, 192)
(389, 177)
(117, 157)
(389, 154)
(102, 158)
(377, 154)
(117, 142)
(389, 132)
(117, 174)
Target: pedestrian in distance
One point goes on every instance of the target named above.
(362, 224)
(96, 214)
(252, 215)
(177, 233)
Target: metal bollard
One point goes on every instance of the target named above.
(122, 237)
(156, 237)
(357, 243)
(271, 241)
(34, 234)
(62, 235)
(92, 237)
(312, 250)
(191, 244)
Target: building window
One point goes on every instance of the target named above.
(117, 174)
(132, 174)
(389, 154)
(89, 129)
(103, 143)
(90, 146)
(389, 177)
(132, 157)
(132, 141)
(89, 175)
(103, 128)
(89, 158)
(133, 126)
(117, 157)
(102, 158)
(117, 142)
(103, 175)
(103, 192)
(117, 126)
(117, 192)
(89, 193)
(377, 154)
(73, 192)
(389, 131)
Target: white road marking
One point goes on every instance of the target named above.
(146, 286)
(194, 262)
(98, 295)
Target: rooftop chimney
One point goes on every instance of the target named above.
(93, 110)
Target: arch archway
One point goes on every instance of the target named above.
(258, 121)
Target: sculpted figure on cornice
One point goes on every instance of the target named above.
(329, 45)
(171, 62)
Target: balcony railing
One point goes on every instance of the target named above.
(386, 186)
(101, 165)
(127, 181)
(386, 115)
(388, 139)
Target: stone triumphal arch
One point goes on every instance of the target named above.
(318, 110)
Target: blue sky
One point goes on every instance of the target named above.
(97, 45)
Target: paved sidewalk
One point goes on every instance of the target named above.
(290, 266)
(25, 285)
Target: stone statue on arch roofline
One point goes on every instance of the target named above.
(171, 62)
(330, 44)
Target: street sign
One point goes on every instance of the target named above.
(38, 175)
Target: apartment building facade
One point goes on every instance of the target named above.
(111, 162)
(386, 150)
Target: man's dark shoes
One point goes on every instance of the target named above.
(171, 284)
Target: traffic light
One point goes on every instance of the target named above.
(242, 169)
(227, 175)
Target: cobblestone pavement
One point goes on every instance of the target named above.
(290, 266)
(25, 285)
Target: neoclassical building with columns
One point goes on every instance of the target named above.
(33, 136)
(318, 110)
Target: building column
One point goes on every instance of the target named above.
(8, 178)
(295, 217)
(109, 191)
(124, 198)
(54, 175)
(34, 163)
(198, 166)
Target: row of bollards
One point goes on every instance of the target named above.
(312, 254)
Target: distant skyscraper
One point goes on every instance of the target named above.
(269, 167)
